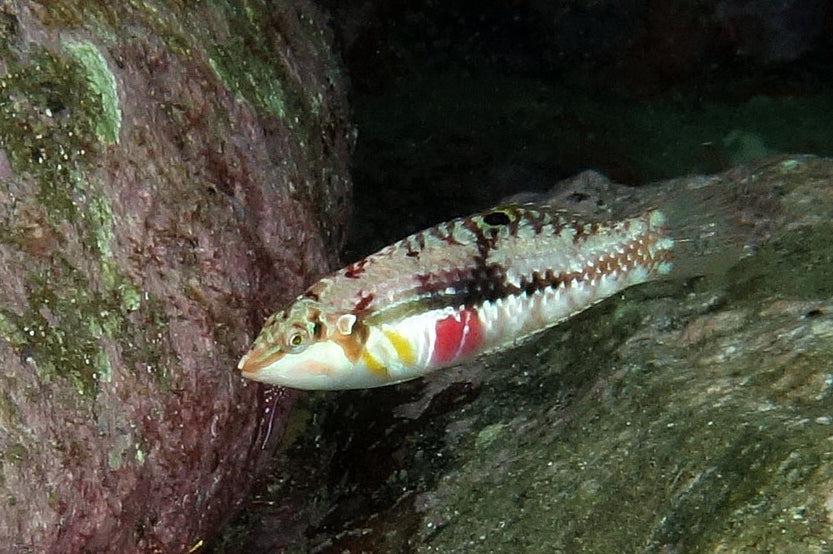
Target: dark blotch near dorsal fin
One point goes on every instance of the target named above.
(496, 218)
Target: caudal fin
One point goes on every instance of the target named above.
(715, 223)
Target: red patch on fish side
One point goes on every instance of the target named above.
(457, 336)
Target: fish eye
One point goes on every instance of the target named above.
(297, 339)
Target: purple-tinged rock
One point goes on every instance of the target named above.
(169, 174)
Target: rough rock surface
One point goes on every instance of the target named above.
(679, 416)
(169, 173)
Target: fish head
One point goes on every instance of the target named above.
(301, 347)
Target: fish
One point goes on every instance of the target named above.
(473, 286)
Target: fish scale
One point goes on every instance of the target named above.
(460, 289)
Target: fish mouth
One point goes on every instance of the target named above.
(322, 366)
(256, 360)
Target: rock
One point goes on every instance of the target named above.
(679, 416)
(169, 176)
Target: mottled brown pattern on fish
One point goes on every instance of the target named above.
(354, 270)
(353, 344)
(584, 230)
(540, 282)
(483, 243)
(464, 261)
(435, 283)
(639, 253)
(445, 232)
(363, 301)
(316, 290)
(535, 219)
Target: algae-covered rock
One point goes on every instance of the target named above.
(169, 173)
(682, 416)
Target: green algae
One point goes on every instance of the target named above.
(56, 111)
(246, 64)
(15, 454)
(9, 412)
(100, 83)
(257, 82)
(62, 328)
(276, 85)
(148, 350)
(47, 119)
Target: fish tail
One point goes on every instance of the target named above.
(714, 225)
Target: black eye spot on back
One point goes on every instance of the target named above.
(496, 218)
(815, 312)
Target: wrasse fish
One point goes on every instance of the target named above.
(470, 286)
